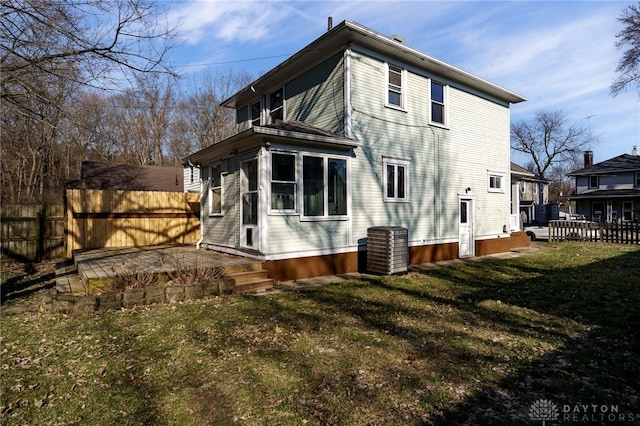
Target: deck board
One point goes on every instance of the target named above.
(111, 262)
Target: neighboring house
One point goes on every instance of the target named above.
(191, 177)
(128, 177)
(529, 196)
(609, 191)
(359, 130)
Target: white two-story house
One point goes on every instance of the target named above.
(358, 130)
(609, 191)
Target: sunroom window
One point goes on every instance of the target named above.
(324, 186)
(283, 182)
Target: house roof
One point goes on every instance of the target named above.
(621, 163)
(346, 33)
(286, 132)
(127, 177)
(520, 171)
(524, 174)
(608, 193)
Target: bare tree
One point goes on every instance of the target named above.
(629, 65)
(549, 139)
(90, 42)
(50, 52)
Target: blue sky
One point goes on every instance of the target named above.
(558, 55)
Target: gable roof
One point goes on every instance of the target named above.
(524, 174)
(127, 177)
(520, 171)
(620, 164)
(339, 38)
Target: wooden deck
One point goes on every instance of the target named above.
(96, 266)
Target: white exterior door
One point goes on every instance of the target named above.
(249, 231)
(466, 245)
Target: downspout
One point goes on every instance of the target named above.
(347, 92)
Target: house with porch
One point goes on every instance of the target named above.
(608, 191)
(529, 196)
(354, 131)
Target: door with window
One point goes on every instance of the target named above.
(249, 232)
(465, 241)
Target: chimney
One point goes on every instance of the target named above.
(634, 151)
(329, 23)
(588, 159)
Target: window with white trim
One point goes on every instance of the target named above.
(637, 182)
(255, 113)
(215, 190)
(276, 106)
(396, 180)
(395, 86)
(438, 113)
(594, 181)
(283, 182)
(496, 182)
(324, 186)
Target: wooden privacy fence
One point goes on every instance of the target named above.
(32, 232)
(111, 218)
(621, 233)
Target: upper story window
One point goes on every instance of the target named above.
(283, 182)
(522, 186)
(438, 105)
(594, 181)
(276, 106)
(396, 180)
(496, 181)
(637, 181)
(395, 86)
(255, 112)
(215, 190)
(535, 188)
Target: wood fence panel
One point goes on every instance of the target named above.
(100, 218)
(32, 232)
(617, 233)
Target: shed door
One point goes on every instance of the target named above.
(249, 237)
(465, 241)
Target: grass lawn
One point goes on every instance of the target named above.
(476, 343)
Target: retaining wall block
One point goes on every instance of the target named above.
(63, 303)
(155, 294)
(193, 292)
(132, 297)
(211, 288)
(174, 293)
(110, 300)
(85, 305)
(227, 286)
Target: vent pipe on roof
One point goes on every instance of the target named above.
(329, 23)
(588, 159)
(398, 38)
(634, 151)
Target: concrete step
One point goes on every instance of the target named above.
(68, 280)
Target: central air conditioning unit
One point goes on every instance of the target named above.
(387, 249)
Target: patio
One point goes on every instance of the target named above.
(92, 268)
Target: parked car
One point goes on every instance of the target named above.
(537, 232)
(578, 233)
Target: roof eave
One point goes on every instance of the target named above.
(349, 32)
